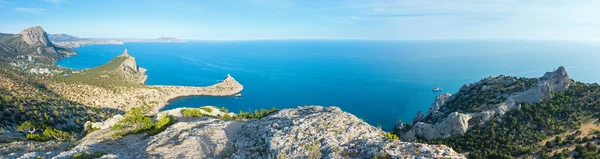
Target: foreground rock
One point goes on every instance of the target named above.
(439, 122)
(304, 132)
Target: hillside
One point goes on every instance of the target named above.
(23, 98)
(508, 116)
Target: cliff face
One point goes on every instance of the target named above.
(311, 131)
(131, 69)
(439, 123)
(35, 36)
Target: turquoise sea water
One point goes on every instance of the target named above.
(379, 81)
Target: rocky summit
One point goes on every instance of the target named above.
(303, 132)
(447, 117)
(31, 45)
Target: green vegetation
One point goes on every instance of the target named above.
(191, 112)
(589, 151)
(36, 137)
(89, 155)
(106, 76)
(56, 134)
(519, 131)
(476, 98)
(391, 136)
(31, 130)
(162, 124)
(256, 115)
(25, 99)
(207, 109)
(134, 121)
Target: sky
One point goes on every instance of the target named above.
(308, 19)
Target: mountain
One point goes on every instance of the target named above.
(32, 44)
(510, 117)
(69, 41)
(481, 101)
(63, 38)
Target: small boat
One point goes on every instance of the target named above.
(238, 95)
(437, 89)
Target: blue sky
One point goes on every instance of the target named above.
(308, 19)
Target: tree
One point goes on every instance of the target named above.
(55, 133)
(29, 127)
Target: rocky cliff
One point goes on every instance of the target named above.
(36, 36)
(31, 45)
(303, 132)
(131, 69)
(451, 115)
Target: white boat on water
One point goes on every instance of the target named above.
(437, 89)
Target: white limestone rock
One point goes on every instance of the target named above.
(324, 132)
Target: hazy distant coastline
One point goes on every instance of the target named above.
(69, 41)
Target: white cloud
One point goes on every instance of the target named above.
(30, 10)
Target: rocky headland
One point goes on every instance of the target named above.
(450, 115)
(119, 84)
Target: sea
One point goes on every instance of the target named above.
(380, 82)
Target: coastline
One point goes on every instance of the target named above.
(119, 84)
(227, 87)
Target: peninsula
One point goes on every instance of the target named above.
(120, 84)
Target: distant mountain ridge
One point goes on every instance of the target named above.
(70, 41)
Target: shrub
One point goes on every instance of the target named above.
(56, 134)
(207, 109)
(257, 114)
(88, 155)
(191, 112)
(29, 127)
(391, 136)
(162, 124)
(36, 137)
(133, 122)
(224, 110)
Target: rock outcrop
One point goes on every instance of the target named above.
(131, 69)
(311, 131)
(36, 36)
(458, 123)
